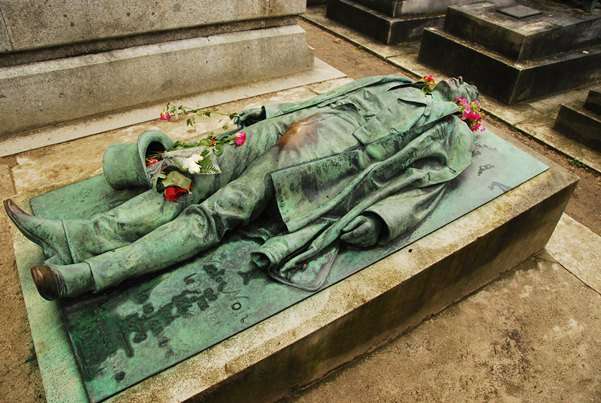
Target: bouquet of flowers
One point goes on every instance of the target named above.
(471, 113)
(171, 171)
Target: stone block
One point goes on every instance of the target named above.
(580, 124)
(392, 8)
(378, 25)
(503, 79)
(513, 59)
(397, 8)
(593, 101)
(60, 90)
(520, 39)
(34, 24)
(392, 21)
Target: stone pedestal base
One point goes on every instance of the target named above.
(582, 122)
(532, 54)
(392, 21)
(51, 91)
(310, 339)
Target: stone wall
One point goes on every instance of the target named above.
(64, 60)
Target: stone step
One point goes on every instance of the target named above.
(27, 25)
(44, 93)
(555, 29)
(386, 29)
(503, 78)
(581, 124)
(593, 101)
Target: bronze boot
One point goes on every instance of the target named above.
(58, 281)
(48, 234)
(49, 283)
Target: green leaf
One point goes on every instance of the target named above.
(176, 178)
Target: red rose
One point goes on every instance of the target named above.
(151, 161)
(172, 193)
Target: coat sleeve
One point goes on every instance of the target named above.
(404, 211)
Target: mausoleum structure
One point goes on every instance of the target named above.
(518, 52)
(391, 21)
(66, 60)
(582, 122)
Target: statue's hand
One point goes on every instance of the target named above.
(364, 231)
(249, 116)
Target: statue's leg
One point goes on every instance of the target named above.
(73, 241)
(120, 226)
(196, 229)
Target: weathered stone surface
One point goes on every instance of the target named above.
(33, 24)
(4, 39)
(392, 21)
(85, 127)
(379, 26)
(65, 89)
(593, 101)
(537, 56)
(149, 38)
(542, 35)
(392, 8)
(578, 249)
(397, 8)
(531, 336)
(513, 82)
(577, 122)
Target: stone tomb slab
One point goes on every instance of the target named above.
(220, 332)
(529, 58)
(522, 33)
(520, 11)
(378, 25)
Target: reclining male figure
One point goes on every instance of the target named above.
(361, 164)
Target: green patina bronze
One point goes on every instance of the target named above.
(377, 163)
(140, 328)
(332, 168)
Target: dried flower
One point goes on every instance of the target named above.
(429, 83)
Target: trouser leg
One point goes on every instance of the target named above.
(119, 226)
(196, 229)
(148, 211)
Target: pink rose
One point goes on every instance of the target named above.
(240, 139)
(165, 116)
(462, 101)
(471, 115)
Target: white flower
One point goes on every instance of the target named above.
(190, 164)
